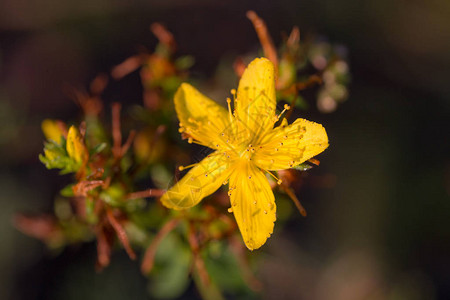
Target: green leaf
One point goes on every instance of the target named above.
(99, 148)
(223, 267)
(184, 62)
(113, 195)
(67, 191)
(303, 167)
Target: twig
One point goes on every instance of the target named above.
(116, 133)
(126, 67)
(164, 36)
(127, 144)
(149, 256)
(311, 81)
(264, 37)
(294, 198)
(198, 261)
(83, 187)
(121, 234)
(145, 194)
(104, 244)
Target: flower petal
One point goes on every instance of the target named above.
(256, 101)
(200, 117)
(287, 146)
(201, 181)
(253, 204)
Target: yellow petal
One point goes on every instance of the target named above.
(252, 203)
(52, 130)
(75, 146)
(200, 117)
(201, 181)
(256, 100)
(287, 146)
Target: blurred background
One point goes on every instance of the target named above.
(379, 230)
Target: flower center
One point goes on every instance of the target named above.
(247, 153)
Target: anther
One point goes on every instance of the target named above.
(190, 140)
(230, 210)
(279, 181)
(182, 168)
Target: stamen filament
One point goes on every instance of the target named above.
(279, 181)
(181, 168)
(230, 114)
(286, 107)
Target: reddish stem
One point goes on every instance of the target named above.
(264, 37)
(116, 133)
(149, 256)
(145, 194)
(121, 234)
(198, 261)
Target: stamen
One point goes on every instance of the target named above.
(230, 114)
(192, 141)
(182, 168)
(286, 107)
(279, 181)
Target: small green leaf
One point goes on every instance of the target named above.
(67, 191)
(113, 195)
(303, 167)
(99, 148)
(184, 62)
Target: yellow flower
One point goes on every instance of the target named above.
(75, 146)
(247, 146)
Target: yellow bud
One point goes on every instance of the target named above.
(52, 130)
(75, 146)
